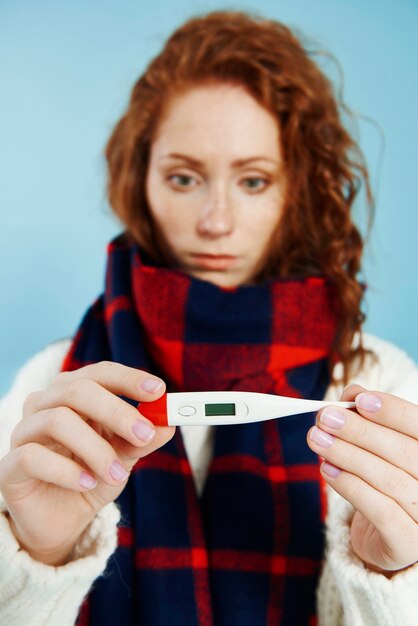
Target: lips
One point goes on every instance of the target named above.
(214, 261)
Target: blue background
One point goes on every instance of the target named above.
(66, 70)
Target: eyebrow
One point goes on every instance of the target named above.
(196, 162)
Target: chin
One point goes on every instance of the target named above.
(221, 279)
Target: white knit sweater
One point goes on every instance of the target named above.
(35, 594)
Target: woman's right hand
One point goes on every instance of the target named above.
(72, 434)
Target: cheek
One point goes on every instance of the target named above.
(161, 206)
(263, 221)
(172, 221)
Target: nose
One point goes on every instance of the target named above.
(216, 219)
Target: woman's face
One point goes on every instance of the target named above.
(214, 184)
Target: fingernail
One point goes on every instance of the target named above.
(331, 470)
(87, 481)
(117, 471)
(143, 431)
(322, 439)
(332, 417)
(368, 402)
(151, 385)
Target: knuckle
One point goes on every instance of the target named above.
(3, 471)
(56, 419)
(391, 482)
(353, 487)
(25, 455)
(7, 462)
(119, 420)
(71, 390)
(30, 402)
(343, 455)
(106, 364)
(75, 388)
(60, 378)
(15, 435)
(107, 455)
(397, 483)
(389, 516)
(99, 368)
(62, 473)
(406, 451)
(400, 413)
(360, 429)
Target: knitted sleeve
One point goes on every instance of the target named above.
(35, 594)
(348, 593)
(32, 593)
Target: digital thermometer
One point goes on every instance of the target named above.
(226, 407)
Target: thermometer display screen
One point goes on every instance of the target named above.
(220, 409)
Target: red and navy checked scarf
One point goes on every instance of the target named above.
(248, 551)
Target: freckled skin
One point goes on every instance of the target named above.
(215, 208)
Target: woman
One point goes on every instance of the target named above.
(234, 179)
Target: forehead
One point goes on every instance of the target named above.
(217, 117)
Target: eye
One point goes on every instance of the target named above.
(182, 180)
(254, 180)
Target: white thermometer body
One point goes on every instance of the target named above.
(226, 407)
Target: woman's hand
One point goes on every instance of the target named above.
(371, 459)
(72, 453)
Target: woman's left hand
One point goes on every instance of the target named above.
(371, 459)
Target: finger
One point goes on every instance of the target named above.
(92, 401)
(379, 474)
(120, 379)
(117, 378)
(33, 461)
(383, 513)
(130, 454)
(396, 448)
(65, 427)
(351, 391)
(389, 410)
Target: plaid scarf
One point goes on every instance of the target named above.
(248, 551)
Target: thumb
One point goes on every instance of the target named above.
(130, 454)
(351, 391)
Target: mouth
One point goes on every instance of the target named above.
(214, 261)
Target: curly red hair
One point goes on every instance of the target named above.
(324, 165)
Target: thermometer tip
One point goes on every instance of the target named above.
(155, 411)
